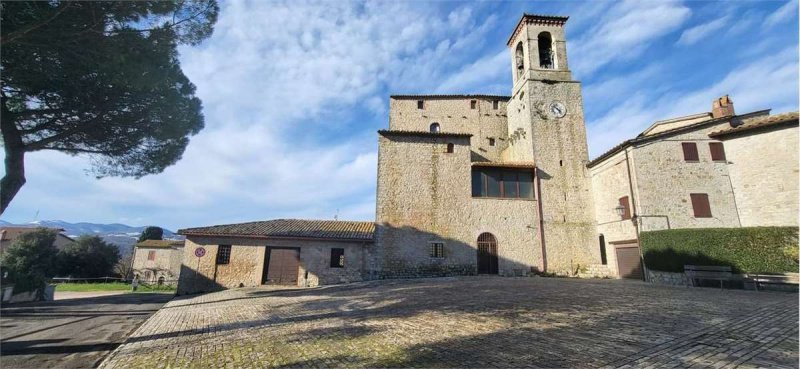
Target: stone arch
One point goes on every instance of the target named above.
(519, 60)
(547, 55)
(487, 254)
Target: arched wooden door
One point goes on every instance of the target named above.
(487, 254)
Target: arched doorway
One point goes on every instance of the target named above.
(487, 254)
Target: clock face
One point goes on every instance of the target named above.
(558, 109)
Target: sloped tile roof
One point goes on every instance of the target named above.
(160, 243)
(387, 132)
(455, 96)
(641, 138)
(756, 123)
(290, 228)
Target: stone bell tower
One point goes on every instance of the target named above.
(546, 126)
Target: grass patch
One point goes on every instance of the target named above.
(111, 286)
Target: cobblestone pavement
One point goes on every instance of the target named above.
(470, 322)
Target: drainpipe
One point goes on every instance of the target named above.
(635, 218)
(541, 219)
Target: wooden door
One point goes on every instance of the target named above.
(283, 266)
(487, 254)
(629, 263)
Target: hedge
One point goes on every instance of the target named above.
(746, 250)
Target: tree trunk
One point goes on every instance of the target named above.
(15, 158)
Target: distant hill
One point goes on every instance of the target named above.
(121, 235)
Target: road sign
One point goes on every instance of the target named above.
(200, 252)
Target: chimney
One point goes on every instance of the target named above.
(722, 107)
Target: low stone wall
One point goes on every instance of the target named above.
(668, 278)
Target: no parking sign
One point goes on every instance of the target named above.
(200, 252)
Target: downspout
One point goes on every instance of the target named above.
(541, 219)
(635, 218)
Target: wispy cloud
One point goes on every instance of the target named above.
(782, 14)
(697, 33)
(624, 32)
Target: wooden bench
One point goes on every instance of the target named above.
(709, 272)
(779, 279)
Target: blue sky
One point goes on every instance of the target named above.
(293, 93)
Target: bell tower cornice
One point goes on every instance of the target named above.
(537, 19)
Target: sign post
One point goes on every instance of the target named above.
(199, 252)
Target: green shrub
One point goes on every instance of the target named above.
(746, 250)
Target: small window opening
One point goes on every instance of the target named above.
(603, 257)
(337, 258)
(546, 55)
(495, 105)
(473, 104)
(161, 281)
(560, 163)
(420, 104)
(717, 151)
(450, 148)
(626, 206)
(223, 254)
(519, 60)
(435, 127)
(151, 255)
(437, 250)
(491, 141)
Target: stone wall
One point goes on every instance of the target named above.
(663, 181)
(668, 278)
(455, 115)
(166, 264)
(246, 265)
(763, 168)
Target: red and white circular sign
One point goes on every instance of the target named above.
(200, 252)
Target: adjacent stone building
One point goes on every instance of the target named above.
(762, 156)
(158, 261)
(714, 169)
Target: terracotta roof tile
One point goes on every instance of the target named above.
(290, 228)
(160, 243)
(756, 123)
(456, 96)
(388, 132)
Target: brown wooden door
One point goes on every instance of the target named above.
(629, 264)
(283, 266)
(487, 254)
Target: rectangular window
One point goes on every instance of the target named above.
(690, 151)
(495, 105)
(473, 104)
(717, 151)
(513, 184)
(223, 254)
(337, 258)
(420, 104)
(626, 214)
(510, 185)
(491, 141)
(151, 255)
(700, 205)
(437, 250)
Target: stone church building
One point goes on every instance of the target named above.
(483, 184)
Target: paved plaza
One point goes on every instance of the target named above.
(475, 322)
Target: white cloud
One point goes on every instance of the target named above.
(697, 33)
(624, 32)
(782, 14)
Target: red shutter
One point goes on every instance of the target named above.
(700, 205)
(690, 151)
(717, 151)
(625, 204)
